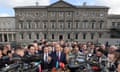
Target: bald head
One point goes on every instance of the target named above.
(58, 47)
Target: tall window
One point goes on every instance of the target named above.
(76, 36)
(10, 37)
(61, 14)
(92, 35)
(118, 25)
(52, 36)
(77, 13)
(44, 25)
(68, 36)
(52, 13)
(85, 24)
(21, 36)
(29, 35)
(100, 35)
(69, 13)
(5, 37)
(36, 24)
(77, 26)
(37, 35)
(53, 25)
(14, 36)
(69, 25)
(21, 25)
(29, 26)
(84, 35)
(101, 24)
(52, 22)
(61, 24)
(43, 14)
(113, 24)
(36, 14)
(93, 24)
(45, 36)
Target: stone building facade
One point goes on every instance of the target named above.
(7, 29)
(62, 20)
(114, 25)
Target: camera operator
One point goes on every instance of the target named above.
(99, 59)
(19, 53)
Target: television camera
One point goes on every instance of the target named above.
(25, 64)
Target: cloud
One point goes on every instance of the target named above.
(113, 4)
(14, 3)
(4, 15)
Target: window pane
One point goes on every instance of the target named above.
(68, 24)
(68, 36)
(5, 37)
(22, 36)
(100, 35)
(92, 35)
(52, 36)
(84, 36)
(45, 36)
(30, 36)
(37, 36)
(101, 25)
(76, 36)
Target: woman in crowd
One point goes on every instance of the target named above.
(114, 61)
(67, 52)
(118, 66)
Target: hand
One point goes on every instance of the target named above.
(0, 56)
(49, 58)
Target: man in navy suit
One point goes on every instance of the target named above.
(58, 56)
(47, 59)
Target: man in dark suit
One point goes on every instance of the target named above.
(46, 60)
(58, 56)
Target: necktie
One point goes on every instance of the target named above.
(58, 56)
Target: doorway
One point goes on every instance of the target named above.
(60, 37)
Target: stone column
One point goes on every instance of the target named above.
(8, 37)
(3, 40)
(12, 37)
(79, 36)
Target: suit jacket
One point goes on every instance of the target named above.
(61, 59)
(46, 65)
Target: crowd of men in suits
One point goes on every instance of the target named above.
(56, 54)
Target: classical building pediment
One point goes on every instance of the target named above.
(61, 4)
